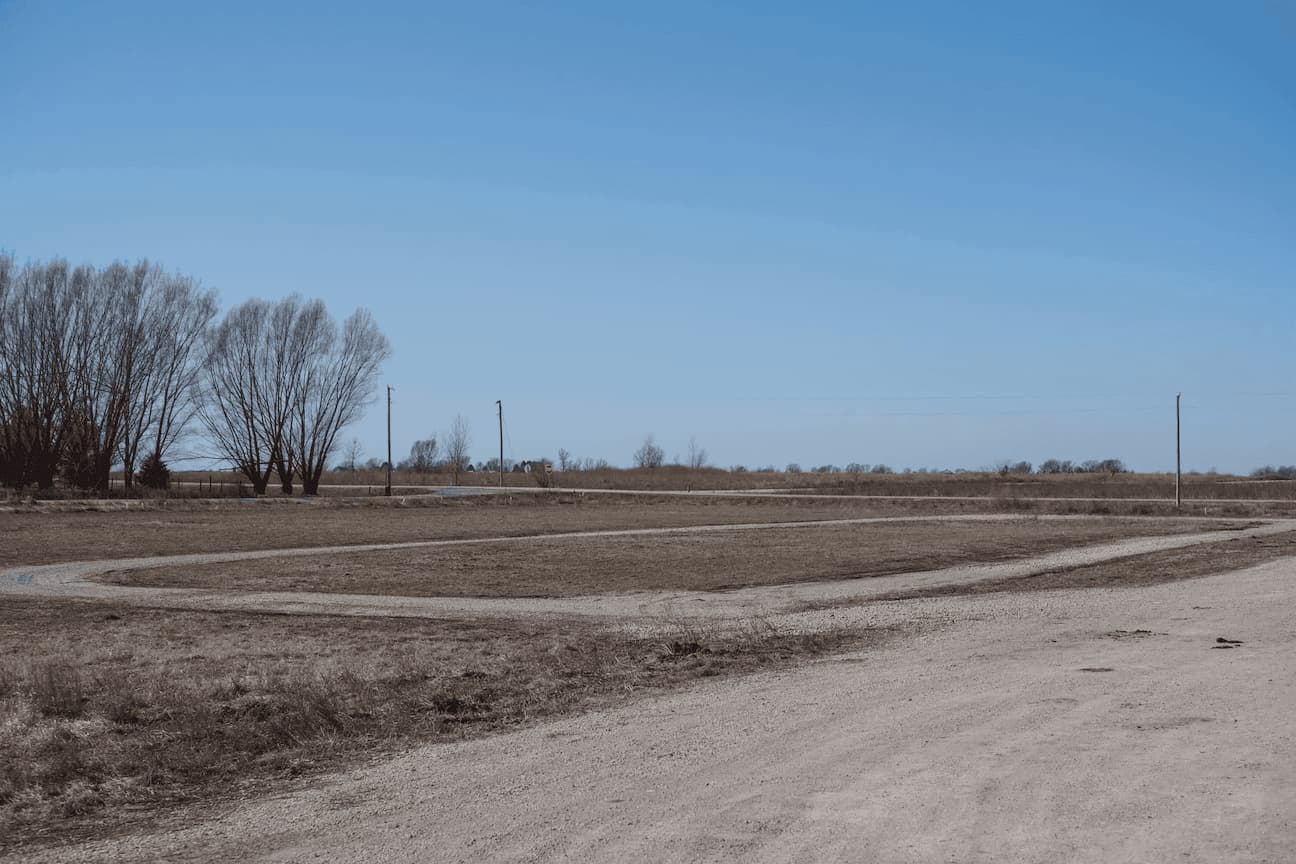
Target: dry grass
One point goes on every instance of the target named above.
(70, 532)
(678, 478)
(48, 537)
(1134, 571)
(974, 484)
(1151, 487)
(1154, 568)
(110, 715)
(707, 561)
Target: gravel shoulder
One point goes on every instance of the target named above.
(1086, 726)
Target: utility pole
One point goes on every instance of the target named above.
(388, 492)
(1178, 457)
(500, 405)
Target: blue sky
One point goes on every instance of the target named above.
(927, 234)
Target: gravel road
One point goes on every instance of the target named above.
(1079, 726)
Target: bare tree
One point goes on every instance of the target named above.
(457, 442)
(300, 333)
(338, 380)
(173, 315)
(107, 367)
(352, 454)
(423, 455)
(232, 403)
(104, 310)
(280, 386)
(7, 457)
(565, 462)
(649, 455)
(83, 357)
(47, 380)
(697, 455)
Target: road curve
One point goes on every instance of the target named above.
(74, 579)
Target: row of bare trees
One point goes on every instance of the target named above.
(97, 368)
(110, 367)
(280, 383)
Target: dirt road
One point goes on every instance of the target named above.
(74, 579)
(1102, 726)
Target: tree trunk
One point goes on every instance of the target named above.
(285, 477)
(42, 473)
(310, 482)
(259, 480)
(103, 472)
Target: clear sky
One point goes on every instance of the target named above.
(925, 234)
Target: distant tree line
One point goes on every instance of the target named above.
(1089, 466)
(111, 367)
(1269, 472)
(568, 462)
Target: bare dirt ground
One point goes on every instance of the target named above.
(697, 561)
(1048, 726)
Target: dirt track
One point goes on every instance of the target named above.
(73, 579)
(981, 737)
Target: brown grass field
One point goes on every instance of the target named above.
(928, 483)
(677, 478)
(713, 561)
(69, 531)
(979, 484)
(1135, 571)
(1156, 568)
(35, 537)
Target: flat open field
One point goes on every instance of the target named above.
(711, 561)
(185, 527)
(982, 484)
(882, 688)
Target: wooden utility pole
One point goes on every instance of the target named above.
(500, 405)
(1178, 457)
(388, 491)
